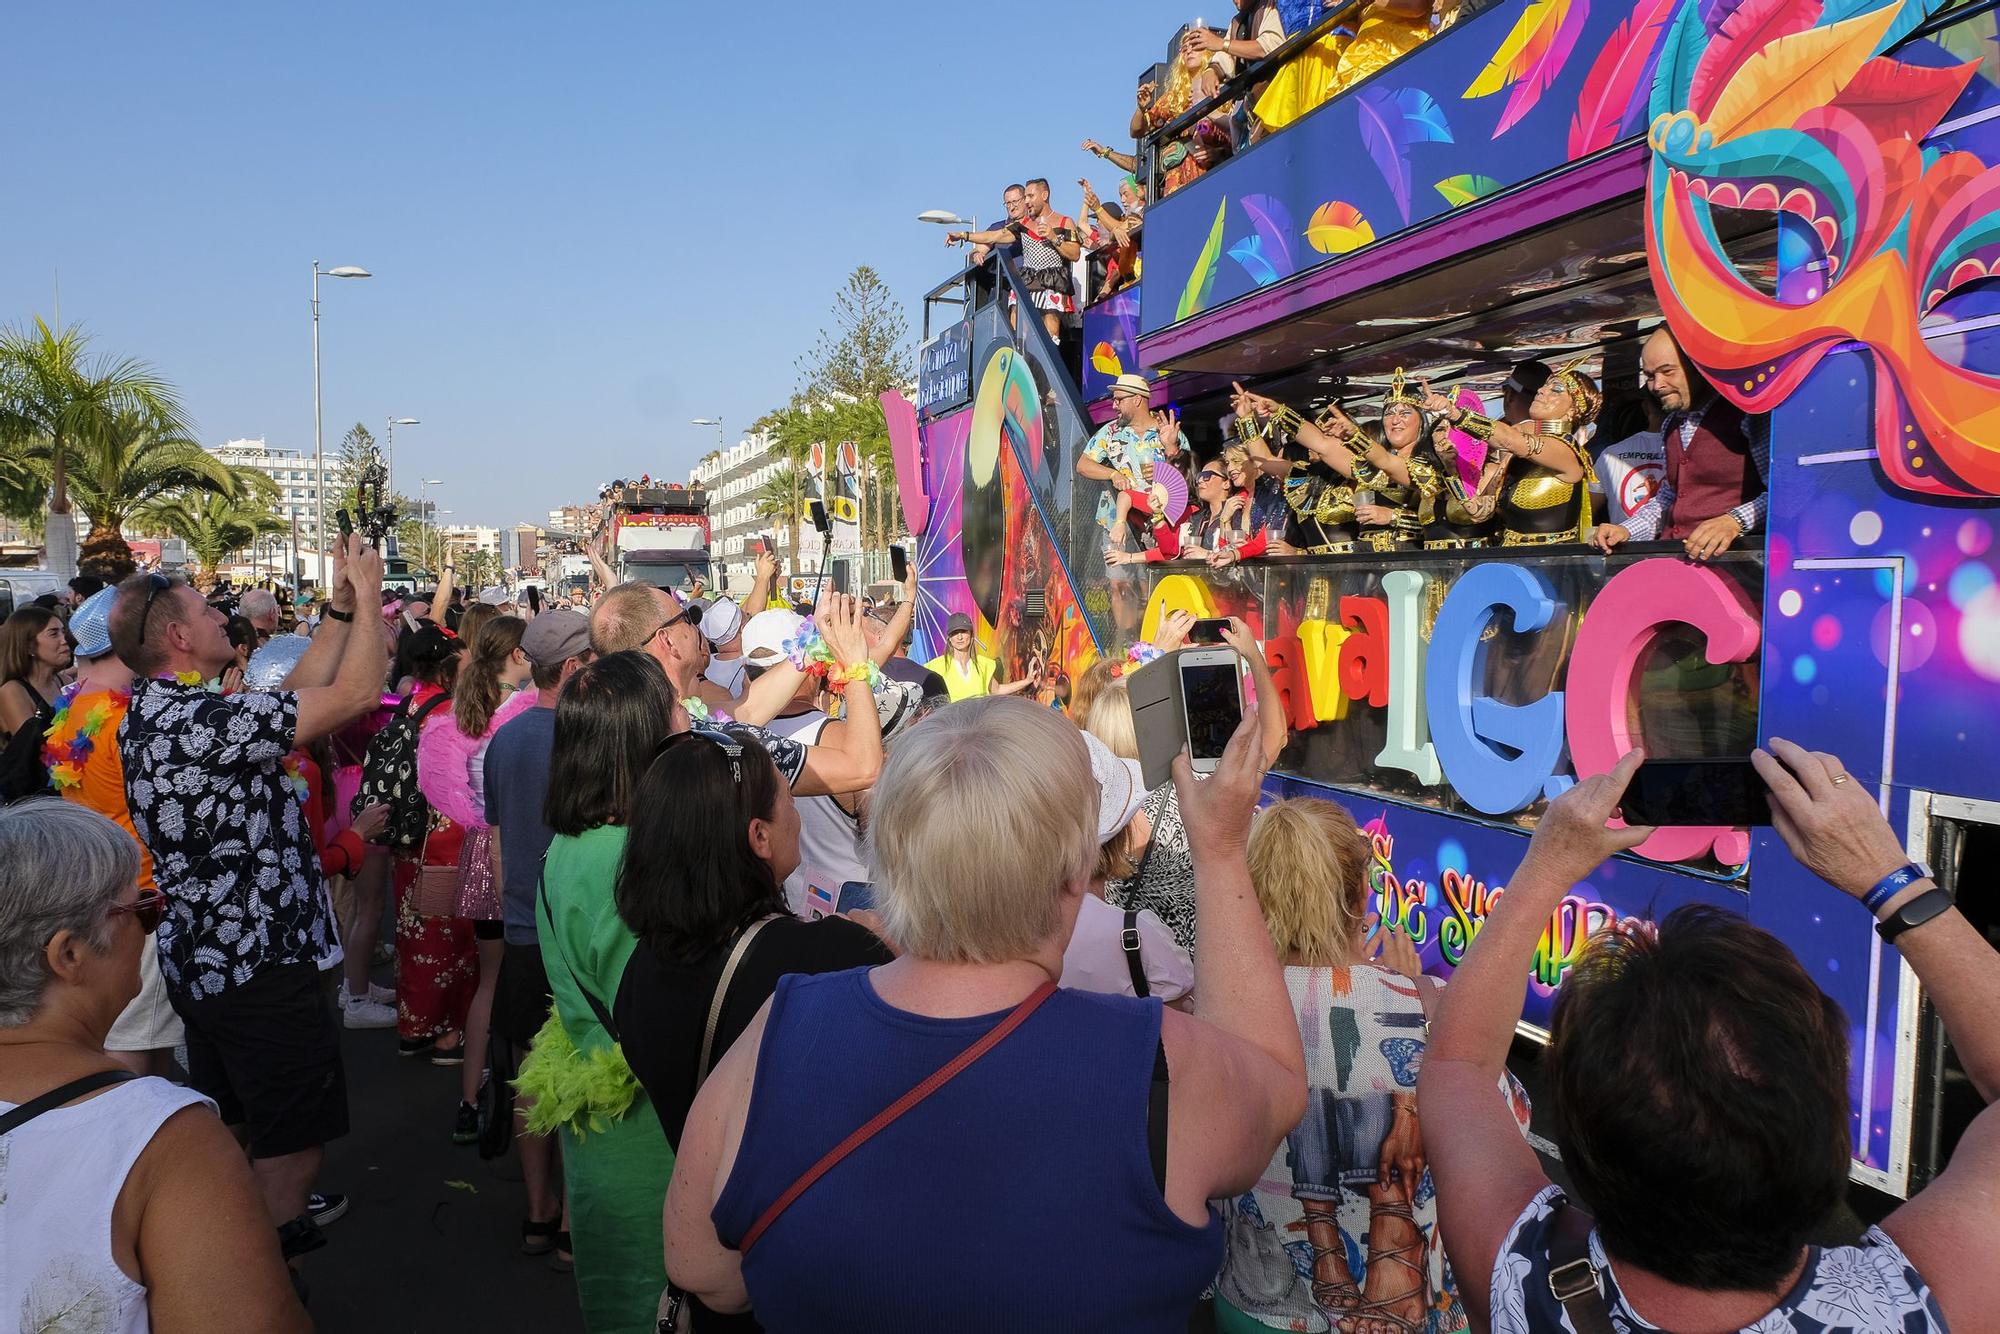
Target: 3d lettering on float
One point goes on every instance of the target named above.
(1499, 758)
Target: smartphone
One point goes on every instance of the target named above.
(1726, 793)
(1211, 702)
(857, 896)
(346, 523)
(899, 564)
(1208, 631)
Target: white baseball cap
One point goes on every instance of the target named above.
(721, 621)
(765, 634)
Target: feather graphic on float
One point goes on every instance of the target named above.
(1615, 90)
(1686, 42)
(1104, 360)
(1266, 254)
(1903, 17)
(1461, 190)
(1746, 30)
(1391, 121)
(1337, 228)
(1531, 57)
(1201, 279)
(1899, 101)
(1793, 75)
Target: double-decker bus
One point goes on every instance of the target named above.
(1548, 179)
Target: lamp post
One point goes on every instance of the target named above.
(716, 422)
(319, 442)
(944, 218)
(425, 520)
(394, 422)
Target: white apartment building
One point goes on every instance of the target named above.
(293, 473)
(471, 537)
(732, 478)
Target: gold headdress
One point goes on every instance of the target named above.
(1571, 381)
(1400, 392)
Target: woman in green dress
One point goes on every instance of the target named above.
(616, 1162)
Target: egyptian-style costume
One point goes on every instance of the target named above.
(1413, 500)
(1448, 525)
(1536, 507)
(1321, 502)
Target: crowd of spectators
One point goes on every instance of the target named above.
(716, 921)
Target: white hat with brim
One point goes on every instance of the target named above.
(1121, 788)
(764, 635)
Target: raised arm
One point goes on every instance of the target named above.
(761, 583)
(1484, 1171)
(852, 762)
(357, 684)
(898, 626)
(1838, 832)
(1237, 1067)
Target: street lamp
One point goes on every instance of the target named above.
(425, 520)
(944, 218)
(319, 443)
(394, 422)
(716, 422)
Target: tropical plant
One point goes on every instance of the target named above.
(213, 524)
(55, 397)
(779, 499)
(125, 459)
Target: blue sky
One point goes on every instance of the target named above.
(588, 222)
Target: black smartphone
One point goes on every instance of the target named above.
(1723, 792)
(346, 522)
(899, 564)
(1208, 631)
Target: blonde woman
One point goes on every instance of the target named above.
(1350, 1180)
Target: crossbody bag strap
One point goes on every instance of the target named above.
(736, 954)
(549, 916)
(937, 1079)
(1573, 1279)
(1128, 940)
(56, 1097)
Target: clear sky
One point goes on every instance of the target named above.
(587, 222)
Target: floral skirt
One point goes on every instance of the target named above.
(437, 964)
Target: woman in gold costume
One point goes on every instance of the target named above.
(1388, 30)
(1541, 468)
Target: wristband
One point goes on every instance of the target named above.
(1931, 903)
(335, 614)
(1893, 884)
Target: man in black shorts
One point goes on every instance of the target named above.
(247, 916)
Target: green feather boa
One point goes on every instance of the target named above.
(585, 1092)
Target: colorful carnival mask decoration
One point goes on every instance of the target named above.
(1792, 107)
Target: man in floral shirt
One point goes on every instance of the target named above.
(247, 918)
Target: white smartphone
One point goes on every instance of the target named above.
(1211, 702)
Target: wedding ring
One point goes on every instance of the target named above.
(1838, 779)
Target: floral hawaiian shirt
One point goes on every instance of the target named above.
(205, 779)
(1867, 1289)
(1119, 447)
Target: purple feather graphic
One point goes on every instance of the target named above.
(1273, 222)
(1392, 120)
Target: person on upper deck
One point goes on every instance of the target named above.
(1049, 242)
(1542, 498)
(1713, 492)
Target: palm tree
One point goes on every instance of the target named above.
(212, 524)
(54, 397)
(128, 459)
(779, 499)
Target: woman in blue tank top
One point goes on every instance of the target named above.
(1062, 1179)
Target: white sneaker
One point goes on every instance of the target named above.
(360, 1012)
(381, 995)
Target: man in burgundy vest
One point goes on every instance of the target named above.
(1716, 457)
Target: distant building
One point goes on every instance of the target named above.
(732, 478)
(518, 546)
(293, 474)
(472, 537)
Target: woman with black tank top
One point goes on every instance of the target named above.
(714, 833)
(1047, 1156)
(34, 648)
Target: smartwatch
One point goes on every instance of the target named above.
(333, 614)
(1916, 912)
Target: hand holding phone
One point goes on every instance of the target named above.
(1727, 793)
(1211, 703)
(1208, 631)
(899, 564)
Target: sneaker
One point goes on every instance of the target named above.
(414, 1046)
(467, 1129)
(452, 1055)
(361, 1012)
(325, 1208)
(378, 993)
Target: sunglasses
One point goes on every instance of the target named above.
(147, 908)
(731, 747)
(156, 584)
(1209, 473)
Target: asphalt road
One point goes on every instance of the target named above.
(432, 1240)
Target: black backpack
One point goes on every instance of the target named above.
(23, 773)
(389, 777)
